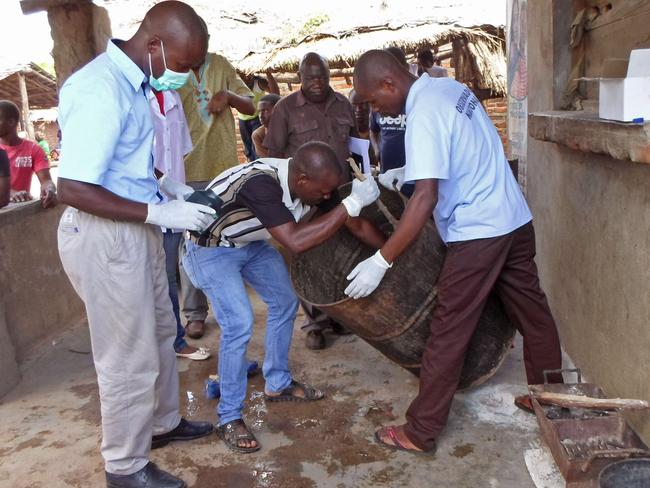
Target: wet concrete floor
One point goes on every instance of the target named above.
(50, 424)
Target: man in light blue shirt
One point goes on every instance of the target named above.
(110, 241)
(455, 157)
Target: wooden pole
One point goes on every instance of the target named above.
(24, 100)
(577, 401)
(292, 78)
(381, 205)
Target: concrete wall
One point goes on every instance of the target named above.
(37, 300)
(592, 217)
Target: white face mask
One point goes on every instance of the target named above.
(169, 80)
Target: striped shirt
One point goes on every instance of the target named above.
(256, 197)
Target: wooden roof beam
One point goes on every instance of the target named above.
(40, 76)
(292, 78)
(33, 6)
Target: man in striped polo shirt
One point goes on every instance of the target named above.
(263, 199)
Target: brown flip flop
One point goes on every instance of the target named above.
(397, 445)
(524, 403)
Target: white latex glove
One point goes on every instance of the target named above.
(366, 276)
(179, 214)
(175, 190)
(363, 194)
(392, 176)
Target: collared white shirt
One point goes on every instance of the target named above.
(107, 133)
(449, 137)
(172, 139)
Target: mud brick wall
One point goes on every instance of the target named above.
(497, 109)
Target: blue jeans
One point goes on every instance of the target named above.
(171, 242)
(221, 272)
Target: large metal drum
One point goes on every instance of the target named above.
(396, 318)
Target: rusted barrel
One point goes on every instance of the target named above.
(396, 318)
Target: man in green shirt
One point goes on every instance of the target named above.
(212, 91)
(40, 139)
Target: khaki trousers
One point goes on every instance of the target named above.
(118, 270)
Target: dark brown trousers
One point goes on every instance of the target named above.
(471, 270)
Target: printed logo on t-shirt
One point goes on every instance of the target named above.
(393, 123)
(23, 162)
(467, 100)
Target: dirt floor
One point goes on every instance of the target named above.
(50, 424)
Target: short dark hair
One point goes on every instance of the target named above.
(10, 110)
(426, 56)
(398, 53)
(272, 98)
(314, 157)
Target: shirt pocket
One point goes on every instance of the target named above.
(306, 131)
(136, 127)
(342, 127)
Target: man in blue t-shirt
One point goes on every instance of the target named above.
(387, 137)
(387, 133)
(455, 157)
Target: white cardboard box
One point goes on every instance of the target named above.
(625, 88)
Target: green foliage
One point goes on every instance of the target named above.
(293, 34)
(47, 66)
(313, 24)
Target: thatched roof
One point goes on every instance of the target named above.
(257, 34)
(482, 49)
(41, 85)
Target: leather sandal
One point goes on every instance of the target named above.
(231, 433)
(288, 394)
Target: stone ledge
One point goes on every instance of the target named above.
(10, 373)
(37, 299)
(585, 131)
(17, 212)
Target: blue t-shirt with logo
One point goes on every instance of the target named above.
(391, 144)
(391, 140)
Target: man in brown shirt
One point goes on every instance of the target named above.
(314, 113)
